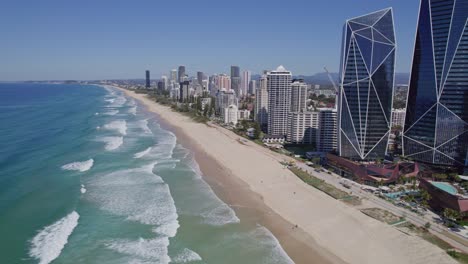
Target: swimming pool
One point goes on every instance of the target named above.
(445, 187)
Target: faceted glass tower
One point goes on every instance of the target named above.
(437, 111)
(366, 90)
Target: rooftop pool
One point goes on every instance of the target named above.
(445, 187)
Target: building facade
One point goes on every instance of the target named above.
(302, 127)
(436, 121)
(184, 91)
(261, 103)
(398, 117)
(246, 77)
(279, 101)
(230, 115)
(181, 73)
(147, 81)
(298, 96)
(173, 76)
(326, 140)
(366, 89)
(235, 80)
(224, 99)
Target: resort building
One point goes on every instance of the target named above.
(224, 99)
(279, 101)
(366, 88)
(243, 114)
(302, 127)
(230, 115)
(298, 96)
(436, 122)
(261, 103)
(326, 134)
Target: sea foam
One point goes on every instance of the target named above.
(83, 189)
(142, 153)
(112, 143)
(132, 110)
(81, 166)
(49, 242)
(143, 250)
(111, 112)
(117, 125)
(186, 255)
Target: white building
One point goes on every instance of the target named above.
(205, 102)
(327, 130)
(298, 96)
(225, 98)
(230, 115)
(243, 114)
(302, 127)
(279, 101)
(398, 117)
(173, 75)
(261, 103)
(246, 77)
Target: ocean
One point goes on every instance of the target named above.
(88, 176)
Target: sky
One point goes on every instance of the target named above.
(103, 39)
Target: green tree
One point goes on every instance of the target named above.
(257, 130)
(451, 214)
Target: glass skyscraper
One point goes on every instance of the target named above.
(366, 89)
(437, 110)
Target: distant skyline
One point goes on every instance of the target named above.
(88, 40)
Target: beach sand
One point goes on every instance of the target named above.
(252, 181)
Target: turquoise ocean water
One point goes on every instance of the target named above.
(87, 176)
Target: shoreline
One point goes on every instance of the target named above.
(250, 180)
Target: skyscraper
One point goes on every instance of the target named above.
(235, 79)
(148, 81)
(173, 75)
(436, 119)
(298, 96)
(181, 73)
(261, 103)
(246, 77)
(326, 134)
(279, 101)
(200, 77)
(366, 89)
(252, 87)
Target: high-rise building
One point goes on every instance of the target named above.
(298, 96)
(302, 127)
(224, 99)
(398, 117)
(252, 87)
(261, 103)
(279, 101)
(181, 74)
(246, 77)
(223, 81)
(148, 81)
(235, 79)
(184, 91)
(200, 77)
(230, 114)
(173, 75)
(165, 81)
(326, 140)
(366, 89)
(436, 121)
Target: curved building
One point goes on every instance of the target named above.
(366, 90)
(436, 121)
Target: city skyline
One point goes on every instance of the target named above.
(117, 44)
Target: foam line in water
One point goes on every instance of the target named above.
(143, 250)
(49, 242)
(142, 153)
(132, 110)
(111, 112)
(117, 125)
(186, 255)
(144, 126)
(81, 166)
(112, 143)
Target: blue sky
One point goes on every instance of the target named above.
(102, 39)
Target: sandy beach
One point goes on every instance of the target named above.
(252, 181)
